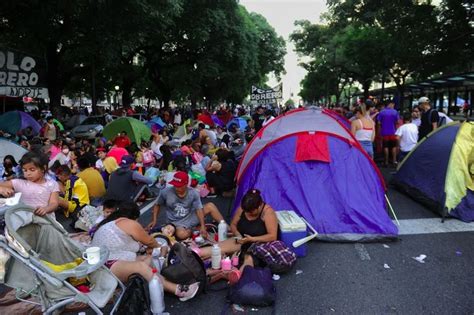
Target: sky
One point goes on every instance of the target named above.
(282, 14)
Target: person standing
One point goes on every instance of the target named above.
(387, 119)
(407, 136)
(50, 131)
(429, 118)
(258, 118)
(363, 130)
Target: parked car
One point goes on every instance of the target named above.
(90, 128)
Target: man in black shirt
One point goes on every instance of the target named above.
(429, 118)
(258, 119)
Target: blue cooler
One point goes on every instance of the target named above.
(292, 228)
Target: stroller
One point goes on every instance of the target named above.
(31, 240)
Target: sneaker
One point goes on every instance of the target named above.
(186, 292)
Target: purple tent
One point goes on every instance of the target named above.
(307, 161)
(14, 121)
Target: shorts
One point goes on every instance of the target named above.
(187, 222)
(390, 141)
(368, 147)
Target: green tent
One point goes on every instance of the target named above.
(136, 130)
(58, 124)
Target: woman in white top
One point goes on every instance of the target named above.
(50, 129)
(363, 129)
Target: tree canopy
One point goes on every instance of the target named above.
(171, 49)
(373, 41)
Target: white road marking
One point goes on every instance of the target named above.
(433, 226)
(361, 251)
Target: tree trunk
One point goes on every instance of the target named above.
(193, 103)
(94, 95)
(366, 87)
(52, 77)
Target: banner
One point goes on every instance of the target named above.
(266, 96)
(22, 75)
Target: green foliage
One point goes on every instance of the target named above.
(372, 40)
(173, 49)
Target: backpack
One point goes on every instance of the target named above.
(184, 266)
(255, 287)
(136, 299)
(441, 119)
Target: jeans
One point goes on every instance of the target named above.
(368, 147)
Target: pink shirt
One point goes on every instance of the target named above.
(54, 151)
(33, 194)
(117, 153)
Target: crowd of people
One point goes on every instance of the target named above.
(100, 184)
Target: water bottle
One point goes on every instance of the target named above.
(157, 298)
(155, 257)
(222, 231)
(216, 257)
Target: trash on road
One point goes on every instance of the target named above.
(276, 277)
(420, 259)
(238, 308)
(458, 253)
(299, 272)
(386, 266)
(386, 246)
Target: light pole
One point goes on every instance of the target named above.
(117, 88)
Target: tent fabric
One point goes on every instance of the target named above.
(181, 132)
(136, 130)
(217, 121)
(312, 147)
(437, 171)
(325, 194)
(343, 199)
(302, 120)
(14, 121)
(240, 122)
(422, 174)
(11, 148)
(206, 119)
(58, 124)
(156, 124)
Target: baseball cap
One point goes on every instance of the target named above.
(423, 99)
(180, 179)
(127, 160)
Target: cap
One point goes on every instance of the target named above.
(127, 160)
(180, 179)
(423, 99)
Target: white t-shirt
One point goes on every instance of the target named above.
(408, 134)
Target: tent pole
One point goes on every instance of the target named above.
(391, 209)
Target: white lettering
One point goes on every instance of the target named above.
(2, 59)
(3, 77)
(27, 64)
(12, 76)
(11, 62)
(22, 79)
(33, 78)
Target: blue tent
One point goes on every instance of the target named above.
(439, 171)
(240, 122)
(309, 162)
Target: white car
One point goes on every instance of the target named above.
(90, 128)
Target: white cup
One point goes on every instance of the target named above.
(92, 255)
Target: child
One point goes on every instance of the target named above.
(166, 238)
(37, 191)
(76, 194)
(148, 155)
(10, 168)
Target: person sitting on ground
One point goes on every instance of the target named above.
(122, 140)
(10, 168)
(76, 194)
(220, 172)
(64, 157)
(183, 207)
(36, 190)
(125, 184)
(101, 154)
(122, 235)
(94, 181)
(407, 136)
